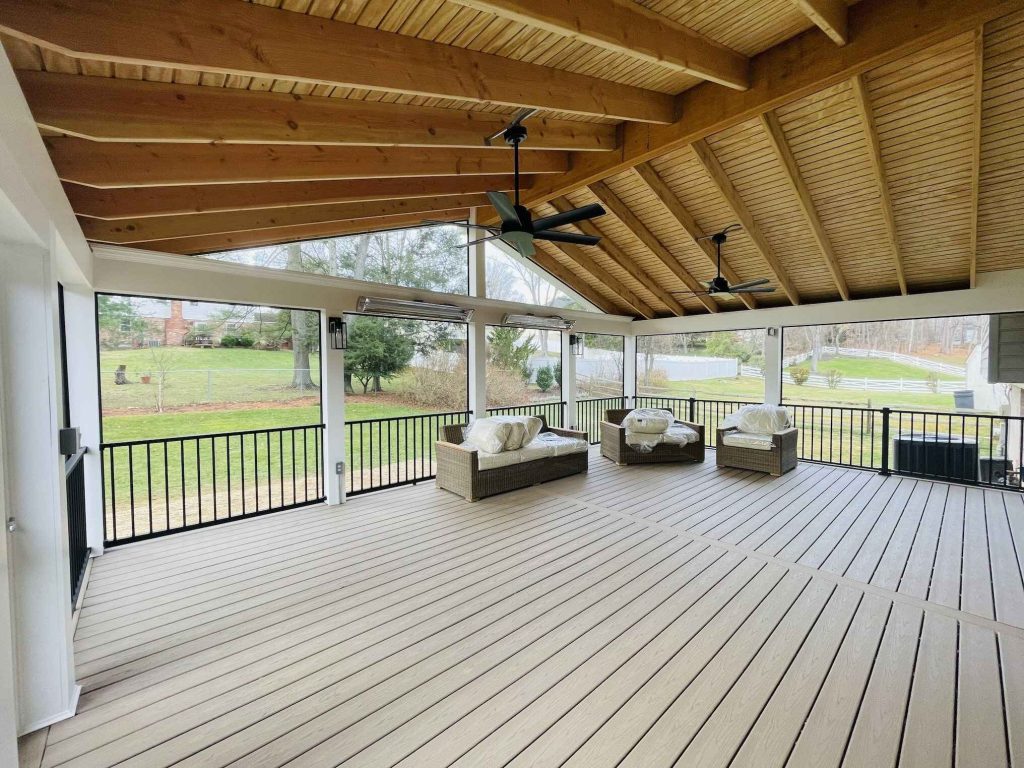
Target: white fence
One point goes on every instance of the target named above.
(920, 386)
(897, 357)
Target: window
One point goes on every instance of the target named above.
(510, 277)
(433, 258)
(924, 364)
(599, 369)
(524, 366)
(719, 365)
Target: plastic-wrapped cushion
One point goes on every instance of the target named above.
(488, 435)
(760, 419)
(680, 434)
(648, 421)
(523, 430)
(550, 444)
(748, 440)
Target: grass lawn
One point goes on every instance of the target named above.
(871, 368)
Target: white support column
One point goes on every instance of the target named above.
(34, 486)
(83, 389)
(629, 370)
(332, 401)
(773, 366)
(478, 369)
(477, 262)
(568, 381)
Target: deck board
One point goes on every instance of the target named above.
(636, 616)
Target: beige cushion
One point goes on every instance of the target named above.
(761, 419)
(487, 460)
(748, 440)
(648, 421)
(523, 429)
(488, 435)
(545, 446)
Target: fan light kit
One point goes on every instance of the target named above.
(552, 322)
(518, 229)
(718, 284)
(417, 310)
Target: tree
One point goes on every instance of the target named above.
(800, 374)
(119, 321)
(301, 345)
(509, 351)
(377, 350)
(545, 378)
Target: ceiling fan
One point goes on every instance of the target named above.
(518, 228)
(718, 284)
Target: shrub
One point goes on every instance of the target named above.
(558, 373)
(246, 340)
(440, 383)
(835, 378)
(932, 380)
(229, 340)
(800, 374)
(505, 387)
(545, 378)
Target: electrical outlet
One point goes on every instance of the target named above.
(339, 468)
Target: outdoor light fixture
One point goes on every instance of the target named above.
(417, 310)
(339, 333)
(552, 322)
(576, 343)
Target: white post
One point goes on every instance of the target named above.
(478, 369)
(568, 383)
(477, 262)
(34, 486)
(629, 370)
(83, 390)
(773, 366)
(332, 401)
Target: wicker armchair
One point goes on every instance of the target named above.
(458, 468)
(613, 443)
(779, 460)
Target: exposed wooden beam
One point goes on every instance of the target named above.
(622, 212)
(678, 211)
(125, 231)
(260, 237)
(867, 118)
(777, 138)
(979, 101)
(105, 164)
(629, 29)
(828, 15)
(617, 255)
(587, 263)
(563, 274)
(227, 37)
(720, 179)
(139, 202)
(112, 109)
(881, 31)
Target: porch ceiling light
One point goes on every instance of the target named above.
(418, 310)
(552, 322)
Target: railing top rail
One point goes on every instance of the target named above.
(527, 405)
(74, 460)
(410, 417)
(177, 438)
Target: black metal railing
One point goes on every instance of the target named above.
(78, 542)
(850, 437)
(164, 485)
(385, 453)
(590, 414)
(553, 413)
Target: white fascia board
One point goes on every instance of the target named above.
(133, 271)
(31, 189)
(996, 292)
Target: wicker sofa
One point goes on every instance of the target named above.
(776, 460)
(613, 443)
(458, 468)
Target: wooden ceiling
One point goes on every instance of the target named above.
(867, 150)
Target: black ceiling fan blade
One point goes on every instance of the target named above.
(755, 289)
(523, 114)
(568, 217)
(749, 284)
(495, 236)
(566, 237)
(466, 224)
(505, 208)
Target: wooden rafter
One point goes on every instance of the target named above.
(622, 212)
(629, 29)
(112, 109)
(828, 15)
(140, 202)
(671, 203)
(167, 227)
(798, 67)
(588, 263)
(261, 237)
(979, 100)
(777, 138)
(720, 179)
(862, 98)
(108, 164)
(617, 255)
(232, 38)
(563, 274)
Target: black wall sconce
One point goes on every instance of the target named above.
(576, 344)
(338, 331)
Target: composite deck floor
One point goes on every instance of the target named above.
(644, 616)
